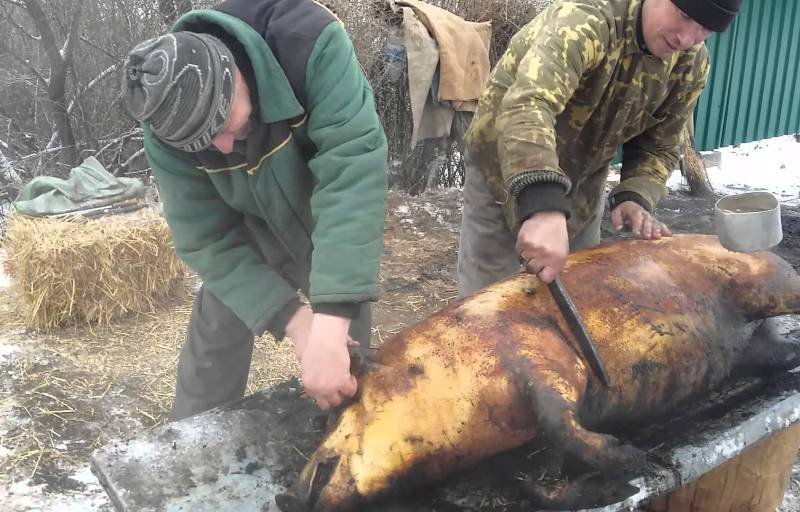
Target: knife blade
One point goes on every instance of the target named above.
(578, 328)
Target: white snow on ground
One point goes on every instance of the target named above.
(6, 352)
(771, 165)
(23, 497)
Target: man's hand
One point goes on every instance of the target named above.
(640, 221)
(325, 361)
(543, 244)
(298, 329)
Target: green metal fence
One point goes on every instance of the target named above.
(754, 88)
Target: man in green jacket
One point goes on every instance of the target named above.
(261, 131)
(579, 80)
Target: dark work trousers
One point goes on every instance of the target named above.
(215, 360)
(487, 247)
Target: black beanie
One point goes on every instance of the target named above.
(715, 15)
(181, 85)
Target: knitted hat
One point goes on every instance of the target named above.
(715, 15)
(181, 85)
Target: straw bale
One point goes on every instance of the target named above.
(89, 272)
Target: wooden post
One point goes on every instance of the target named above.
(755, 481)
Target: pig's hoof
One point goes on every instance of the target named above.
(609, 451)
(589, 491)
(288, 502)
(629, 457)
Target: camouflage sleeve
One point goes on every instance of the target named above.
(649, 159)
(554, 51)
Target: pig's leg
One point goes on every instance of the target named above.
(553, 380)
(557, 419)
(774, 346)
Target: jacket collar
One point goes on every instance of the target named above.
(632, 19)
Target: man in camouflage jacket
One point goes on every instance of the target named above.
(582, 78)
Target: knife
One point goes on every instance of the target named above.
(578, 328)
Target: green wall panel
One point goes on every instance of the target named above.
(753, 92)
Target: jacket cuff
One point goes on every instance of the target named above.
(627, 195)
(343, 309)
(277, 325)
(522, 180)
(540, 198)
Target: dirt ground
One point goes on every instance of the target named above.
(64, 394)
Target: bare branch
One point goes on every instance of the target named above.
(53, 139)
(7, 171)
(110, 69)
(133, 157)
(24, 138)
(39, 154)
(72, 37)
(39, 18)
(122, 138)
(173, 9)
(126, 12)
(24, 62)
(22, 29)
(99, 48)
(128, 162)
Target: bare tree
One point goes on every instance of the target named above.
(60, 60)
(60, 78)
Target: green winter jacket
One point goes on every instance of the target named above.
(303, 207)
(573, 85)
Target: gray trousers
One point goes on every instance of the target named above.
(215, 360)
(486, 248)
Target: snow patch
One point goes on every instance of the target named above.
(771, 165)
(6, 351)
(435, 212)
(22, 496)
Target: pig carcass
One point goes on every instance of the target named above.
(491, 372)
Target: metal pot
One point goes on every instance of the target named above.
(748, 222)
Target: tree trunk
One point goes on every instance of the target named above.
(56, 94)
(692, 167)
(60, 60)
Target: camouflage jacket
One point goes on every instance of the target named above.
(573, 85)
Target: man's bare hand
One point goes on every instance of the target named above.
(543, 244)
(298, 329)
(642, 224)
(326, 362)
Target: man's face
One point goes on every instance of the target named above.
(667, 29)
(238, 124)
